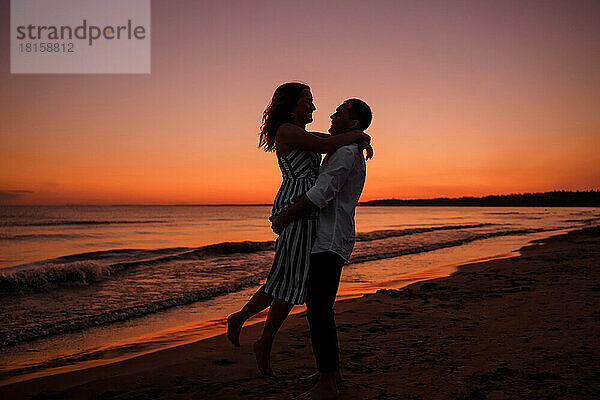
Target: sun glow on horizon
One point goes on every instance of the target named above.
(468, 100)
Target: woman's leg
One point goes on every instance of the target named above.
(262, 348)
(235, 321)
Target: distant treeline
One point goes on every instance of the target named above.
(560, 198)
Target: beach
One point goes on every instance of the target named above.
(517, 328)
(96, 285)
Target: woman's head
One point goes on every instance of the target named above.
(291, 102)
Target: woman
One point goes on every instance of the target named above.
(283, 131)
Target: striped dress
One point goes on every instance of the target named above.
(287, 279)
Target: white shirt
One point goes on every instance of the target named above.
(336, 193)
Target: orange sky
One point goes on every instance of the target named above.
(469, 98)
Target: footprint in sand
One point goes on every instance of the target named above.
(223, 362)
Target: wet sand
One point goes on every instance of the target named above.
(525, 327)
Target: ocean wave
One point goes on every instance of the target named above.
(91, 267)
(164, 256)
(78, 222)
(44, 236)
(9, 338)
(384, 234)
(49, 276)
(585, 221)
(379, 255)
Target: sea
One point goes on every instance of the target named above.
(82, 286)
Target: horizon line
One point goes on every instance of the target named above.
(270, 204)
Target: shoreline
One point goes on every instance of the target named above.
(104, 345)
(384, 338)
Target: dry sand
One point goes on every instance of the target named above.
(526, 327)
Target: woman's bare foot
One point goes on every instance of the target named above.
(234, 327)
(263, 358)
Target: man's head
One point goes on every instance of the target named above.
(351, 114)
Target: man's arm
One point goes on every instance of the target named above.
(300, 208)
(321, 134)
(326, 187)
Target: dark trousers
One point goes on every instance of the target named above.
(323, 281)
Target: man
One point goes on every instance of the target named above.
(336, 193)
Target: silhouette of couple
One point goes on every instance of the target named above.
(313, 214)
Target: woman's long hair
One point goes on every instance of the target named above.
(279, 112)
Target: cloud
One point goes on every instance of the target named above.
(13, 194)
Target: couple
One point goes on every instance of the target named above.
(313, 213)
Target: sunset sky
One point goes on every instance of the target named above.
(469, 98)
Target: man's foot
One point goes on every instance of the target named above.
(263, 358)
(321, 391)
(315, 376)
(234, 327)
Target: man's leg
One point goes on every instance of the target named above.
(323, 282)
